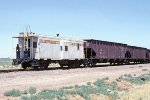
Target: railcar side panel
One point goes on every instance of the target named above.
(49, 48)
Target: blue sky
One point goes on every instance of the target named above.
(124, 21)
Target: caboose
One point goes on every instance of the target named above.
(34, 50)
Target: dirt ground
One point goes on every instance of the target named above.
(64, 77)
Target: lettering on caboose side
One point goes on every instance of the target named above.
(49, 41)
(76, 44)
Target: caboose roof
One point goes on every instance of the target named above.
(25, 34)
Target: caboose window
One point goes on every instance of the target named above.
(66, 48)
(28, 42)
(78, 46)
(34, 44)
(61, 48)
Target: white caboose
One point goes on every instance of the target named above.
(35, 51)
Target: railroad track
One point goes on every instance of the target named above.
(5, 70)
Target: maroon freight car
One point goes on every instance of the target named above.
(138, 54)
(148, 54)
(97, 51)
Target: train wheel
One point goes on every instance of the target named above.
(85, 65)
(86, 62)
(111, 63)
(35, 67)
(72, 64)
(61, 65)
(45, 65)
(24, 65)
(93, 64)
(77, 64)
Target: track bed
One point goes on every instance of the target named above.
(58, 78)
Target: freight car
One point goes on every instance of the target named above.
(97, 51)
(36, 51)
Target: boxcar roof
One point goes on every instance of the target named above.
(136, 47)
(93, 40)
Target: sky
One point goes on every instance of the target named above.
(123, 21)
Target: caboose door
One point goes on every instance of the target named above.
(26, 47)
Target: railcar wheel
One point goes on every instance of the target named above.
(71, 65)
(77, 64)
(61, 65)
(45, 66)
(91, 64)
(35, 67)
(24, 65)
(111, 63)
(85, 65)
(86, 62)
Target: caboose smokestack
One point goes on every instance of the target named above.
(57, 35)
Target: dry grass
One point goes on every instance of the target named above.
(139, 93)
